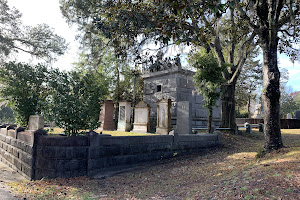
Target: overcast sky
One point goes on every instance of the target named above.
(47, 11)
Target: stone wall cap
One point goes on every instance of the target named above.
(164, 100)
(142, 104)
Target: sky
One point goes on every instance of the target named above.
(47, 11)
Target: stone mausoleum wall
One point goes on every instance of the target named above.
(61, 156)
(177, 84)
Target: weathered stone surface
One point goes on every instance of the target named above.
(184, 117)
(141, 118)
(163, 117)
(124, 116)
(36, 122)
(177, 85)
(106, 116)
(297, 114)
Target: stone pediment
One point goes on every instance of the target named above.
(142, 104)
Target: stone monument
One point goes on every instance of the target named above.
(184, 117)
(289, 116)
(36, 122)
(141, 118)
(106, 116)
(170, 81)
(124, 116)
(297, 114)
(163, 117)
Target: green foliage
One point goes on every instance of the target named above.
(242, 114)
(208, 78)
(288, 103)
(261, 153)
(76, 100)
(6, 115)
(39, 41)
(25, 87)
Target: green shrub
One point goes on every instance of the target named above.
(76, 100)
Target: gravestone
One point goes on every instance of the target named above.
(163, 117)
(124, 116)
(289, 116)
(106, 116)
(261, 127)
(184, 117)
(141, 118)
(248, 128)
(36, 122)
(297, 114)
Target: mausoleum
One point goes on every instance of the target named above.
(170, 81)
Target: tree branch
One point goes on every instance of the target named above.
(243, 56)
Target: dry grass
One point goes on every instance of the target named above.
(57, 130)
(230, 172)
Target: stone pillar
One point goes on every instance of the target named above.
(261, 127)
(184, 117)
(106, 116)
(36, 122)
(289, 116)
(163, 117)
(141, 118)
(248, 128)
(124, 116)
(297, 114)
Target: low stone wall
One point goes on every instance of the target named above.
(17, 150)
(60, 156)
(284, 123)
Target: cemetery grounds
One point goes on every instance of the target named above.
(229, 172)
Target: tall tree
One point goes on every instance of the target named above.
(208, 80)
(247, 84)
(130, 25)
(39, 41)
(276, 22)
(25, 87)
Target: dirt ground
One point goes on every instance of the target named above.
(7, 175)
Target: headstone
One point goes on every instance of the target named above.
(184, 117)
(289, 116)
(248, 128)
(124, 116)
(163, 117)
(261, 128)
(141, 118)
(36, 122)
(297, 114)
(106, 116)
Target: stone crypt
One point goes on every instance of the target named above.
(170, 81)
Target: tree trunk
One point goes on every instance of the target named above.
(271, 95)
(249, 105)
(228, 106)
(210, 113)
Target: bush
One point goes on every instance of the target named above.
(76, 100)
(25, 87)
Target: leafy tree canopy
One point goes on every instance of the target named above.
(208, 79)
(25, 87)
(39, 41)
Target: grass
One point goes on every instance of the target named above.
(57, 130)
(229, 172)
